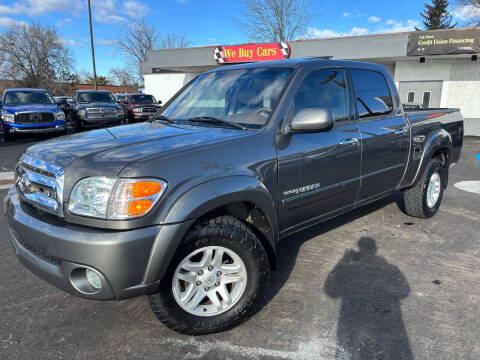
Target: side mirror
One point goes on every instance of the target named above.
(311, 120)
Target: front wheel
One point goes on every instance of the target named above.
(7, 136)
(216, 280)
(423, 199)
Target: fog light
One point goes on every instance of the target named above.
(93, 279)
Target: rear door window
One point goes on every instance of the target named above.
(373, 94)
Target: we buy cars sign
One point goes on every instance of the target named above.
(251, 52)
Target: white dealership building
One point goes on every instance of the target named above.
(433, 69)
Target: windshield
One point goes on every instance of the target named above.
(89, 97)
(142, 99)
(28, 97)
(246, 96)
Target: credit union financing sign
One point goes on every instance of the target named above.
(251, 52)
(444, 42)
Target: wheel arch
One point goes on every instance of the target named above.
(437, 145)
(243, 197)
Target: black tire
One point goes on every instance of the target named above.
(225, 231)
(415, 198)
(7, 137)
(77, 124)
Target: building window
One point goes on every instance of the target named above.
(411, 97)
(426, 100)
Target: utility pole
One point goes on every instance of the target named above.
(91, 45)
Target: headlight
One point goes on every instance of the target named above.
(8, 117)
(82, 113)
(115, 199)
(60, 115)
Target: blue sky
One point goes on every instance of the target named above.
(206, 22)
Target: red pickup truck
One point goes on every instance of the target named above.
(140, 107)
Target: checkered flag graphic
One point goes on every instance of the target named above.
(218, 55)
(285, 49)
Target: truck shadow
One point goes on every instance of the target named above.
(370, 323)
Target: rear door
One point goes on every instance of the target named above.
(384, 132)
(319, 172)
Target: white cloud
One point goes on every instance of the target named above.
(73, 43)
(39, 7)
(466, 12)
(399, 26)
(111, 11)
(314, 33)
(105, 41)
(374, 19)
(346, 15)
(135, 9)
(6, 22)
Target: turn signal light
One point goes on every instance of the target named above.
(137, 207)
(143, 189)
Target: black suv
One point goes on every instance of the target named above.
(95, 108)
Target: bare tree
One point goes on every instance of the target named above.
(275, 20)
(122, 77)
(35, 56)
(174, 41)
(473, 7)
(140, 37)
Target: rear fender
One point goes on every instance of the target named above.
(439, 139)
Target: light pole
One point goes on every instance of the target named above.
(91, 45)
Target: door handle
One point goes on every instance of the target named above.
(350, 141)
(401, 131)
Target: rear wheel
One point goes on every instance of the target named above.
(423, 199)
(217, 279)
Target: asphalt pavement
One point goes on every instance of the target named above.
(374, 280)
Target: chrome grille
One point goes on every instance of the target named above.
(101, 112)
(34, 117)
(40, 184)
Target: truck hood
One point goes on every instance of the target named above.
(13, 109)
(107, 151)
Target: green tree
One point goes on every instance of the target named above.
(101, 80)
(436, 16)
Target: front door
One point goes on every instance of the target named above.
(319, 172)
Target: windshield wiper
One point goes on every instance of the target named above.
(211, 119)
(163, 117)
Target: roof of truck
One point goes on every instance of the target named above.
(26, 89)
(298, 62)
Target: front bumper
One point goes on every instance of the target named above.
(100, 122)
(14, 128)
(55, 250)
(142, 116)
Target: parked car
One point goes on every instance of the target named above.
(119, 98)
(95, 108)
(140, 107)
(30, 111)
(188, 207)
(65, 103)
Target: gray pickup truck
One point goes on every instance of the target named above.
(188, 207)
